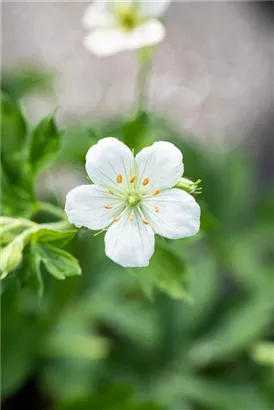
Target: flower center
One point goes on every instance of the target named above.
(127, 17)
(132, 199)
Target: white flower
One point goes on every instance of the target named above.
(133, 198)
(123, 25)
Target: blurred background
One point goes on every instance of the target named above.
(97, 342)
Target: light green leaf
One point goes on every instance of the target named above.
(60, 238)
(264, 353)
(12, 254)
(45, 144)
(114, 397)
(12, 227)
(19, 82)
(58, 262)
(79, 346)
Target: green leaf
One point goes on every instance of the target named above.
(21, 336)
(13, 130)
(12, 254)
(19, 82)
(60, 238)
(11, 227)
(30, 272)
(114, 397)
(264, 353)
(58, 262)
(240, 327)
(17, 192)
(166, 271)
(136, 133)
(45, 144)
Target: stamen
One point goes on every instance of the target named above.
(132, 179)
(108, 206)
(156, 209)
(110, 192)
(117, 219)
(131, 217)
(156, 192)
(119, 179)
(145, 181)
(144, 221)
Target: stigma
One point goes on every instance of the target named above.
(132, 199)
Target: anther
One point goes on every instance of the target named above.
(108, 206)
(116, 219)
(119, 179)
(156, 192)
(156, 209)
(110, 192)
(145, 221)
(132, 179)
(145, 181)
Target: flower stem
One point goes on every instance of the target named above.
(144, 55)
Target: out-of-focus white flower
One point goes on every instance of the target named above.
(123, 25)
(132, 198)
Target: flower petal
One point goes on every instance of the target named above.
(147, 34)
(85, 206)
(110, 163)
(106, 41)
(172, 214)
(153, 8)
(130, 243)
(160, 166)
(98, 14)
(109, 41)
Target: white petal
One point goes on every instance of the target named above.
(106, 41)
(98, 14)
(147, 34)
(161, 165)
(172, 214)
(153, 8)
(107, 160)
(85, 206)
(130, 243)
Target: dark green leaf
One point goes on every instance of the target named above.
(21, 334)
(166, 271)
(30, 272)
(136, 133)
(13, 130)
(45, 144)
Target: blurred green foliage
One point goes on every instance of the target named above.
(110, 339)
